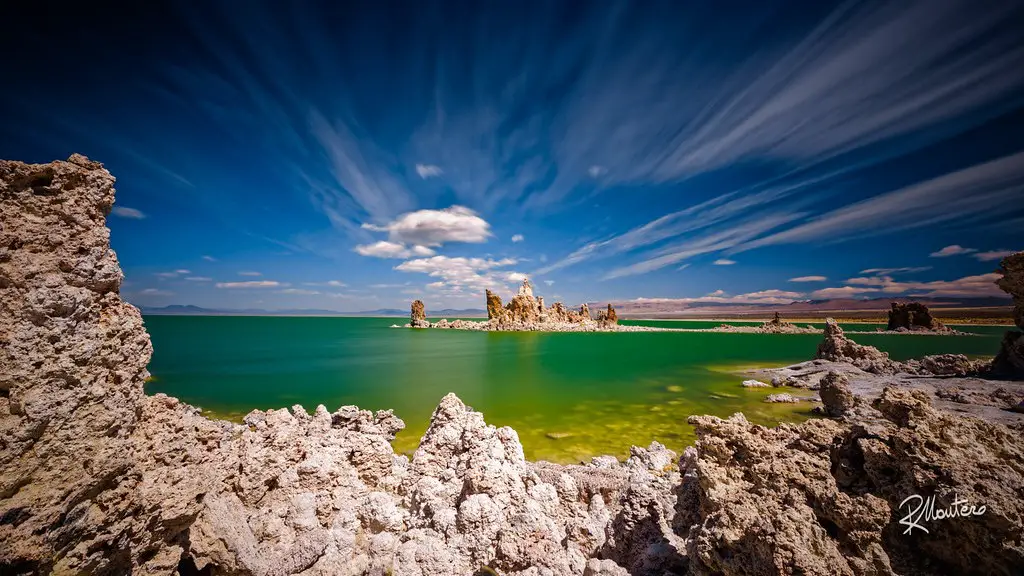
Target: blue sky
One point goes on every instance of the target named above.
(353, 158)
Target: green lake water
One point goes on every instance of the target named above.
(570, 396)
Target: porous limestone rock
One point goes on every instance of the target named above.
(835, 346)
(781, 398)
(73, 360)
(836, 397)
(418, 317)
(823, 497)
(495, 311)
(754, 384)
(585, 313)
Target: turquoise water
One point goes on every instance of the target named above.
(569, 395)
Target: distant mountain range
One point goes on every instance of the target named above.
(667, 307)
(189, 310)
(655, 307)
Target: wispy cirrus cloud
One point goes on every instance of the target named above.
(972, 194)
(251, 284)
(126, 212)
(808, 279)
(993, 255)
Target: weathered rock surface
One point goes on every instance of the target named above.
(608, 317)
(824, 497)
(836, 397)
(835, 346)
(97, 478)
(1009, 363)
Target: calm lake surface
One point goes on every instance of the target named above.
(570, 396)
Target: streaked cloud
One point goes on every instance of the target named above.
(724, 262)
(808, 279)
(155, 292)
(250, 273)
(126, 212)
(890, 271)
(993, 255)
(953, 250)
(209, 258)
(250, 284)
(199, 279)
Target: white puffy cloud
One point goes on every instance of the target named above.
(549, 282)
(459, 275)
(126, 212)
(428, 170)
(993, 255)
(808, 279)
(386, 249)
(199, 279)
(596, 171)
(250, 284)
(518, 238)
(952, 250)
(155, 292)
(724, 262)
(434, 228)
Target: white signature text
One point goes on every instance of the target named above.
(921, 510)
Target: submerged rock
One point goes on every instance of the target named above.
(755, 384)
(781, 398)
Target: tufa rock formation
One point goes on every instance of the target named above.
(1009, 363)
(913, 316)
(98, 478)
(835, 394)
(418, 317)
(608, 317)
(835, 346)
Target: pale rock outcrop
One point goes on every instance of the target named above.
(608, 317)
(836, 397)
(822, 497)
(73, 360)
(835, 346)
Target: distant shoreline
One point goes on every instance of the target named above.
(1008, 322)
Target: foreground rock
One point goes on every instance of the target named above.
(1009, 363)
(97, 478)
(826, 496)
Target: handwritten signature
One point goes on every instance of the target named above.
(921, 510)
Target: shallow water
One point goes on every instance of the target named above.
(570, 396)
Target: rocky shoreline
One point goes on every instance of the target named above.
(98, 478)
